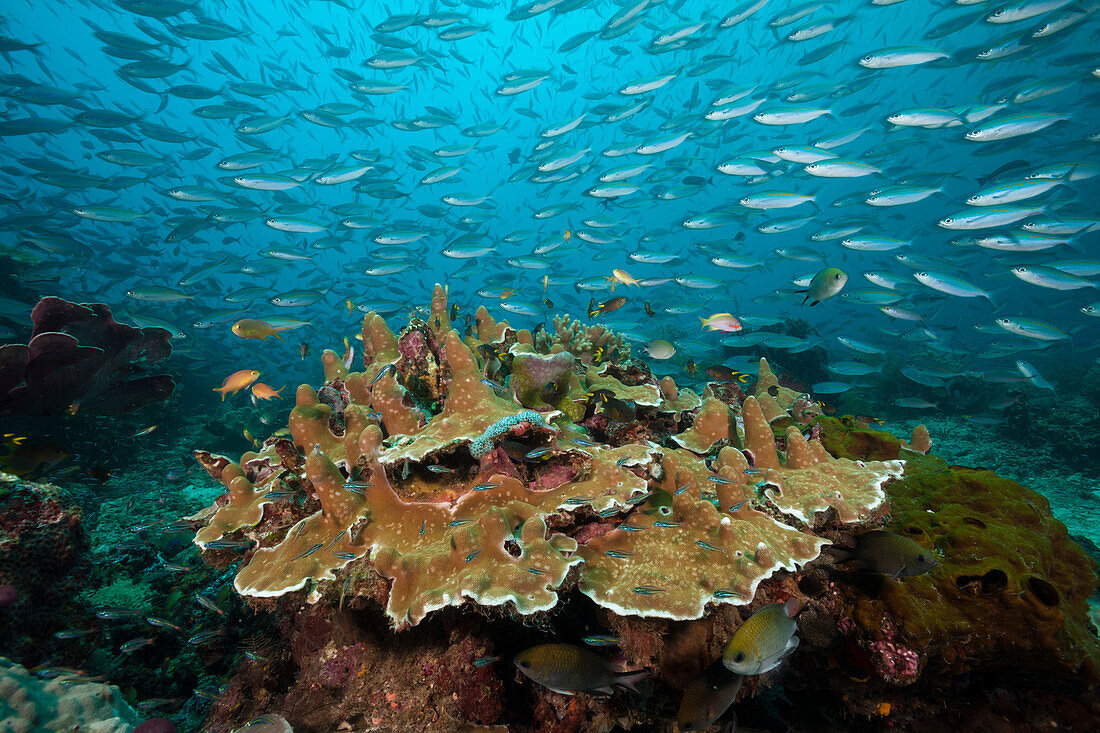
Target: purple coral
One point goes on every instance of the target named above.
(892, 661)
(79, 356)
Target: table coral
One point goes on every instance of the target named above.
(440, 539)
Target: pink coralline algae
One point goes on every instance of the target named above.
(892, 661)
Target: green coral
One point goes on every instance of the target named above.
(121, 593)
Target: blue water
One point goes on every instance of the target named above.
(305, 55)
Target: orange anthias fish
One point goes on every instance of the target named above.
(264, 392)
(251, 328)
(237, 381)
(621, 276)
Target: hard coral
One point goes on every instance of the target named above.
(79, 357)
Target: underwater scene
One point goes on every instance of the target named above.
(555, 366)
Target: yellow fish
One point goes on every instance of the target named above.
(251, 328)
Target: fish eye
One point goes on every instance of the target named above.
(525, 665)
(921, 559)
(922, 274)
(836, 276)
(739, 658)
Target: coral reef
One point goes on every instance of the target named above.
(64, 703)
(592, 344)
(473, 500)
(80, 358)
(42, 558)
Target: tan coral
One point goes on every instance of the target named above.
(815, 481)
(643, 395)
(316, 546)
(759, 439)
(676, 400)
(244, 509)
(440, 319)
(672, 565)
(309, 425)
(438, 555)
(470, 408)
(383, 393)
(712, 424)
(919, 442)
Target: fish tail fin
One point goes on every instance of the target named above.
(629, 680)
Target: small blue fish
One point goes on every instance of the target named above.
(423, 526)
(601, 640)
(308, 552)
(155, 621)
(134, 644)
(473, 555)
(228, 545)
(540, 452)
(647, 590)
(486, 487)
(609, 512)
(619, 554)
(492, 385)
(666, 525)
(436, 468)
(728, 593)
(207, 603)
(737, 506)
(586, 443)
(708, 546)
(388, 369)
(457, 522)
(720, 480)
(630, 527)
(485, 661)
(537, 571)
(343, 592)
(681, 489)
(339, 536)
(578, 500)
(205, 637)
(622, 461)
(72, 633)
(113, 614)
(344, 555)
